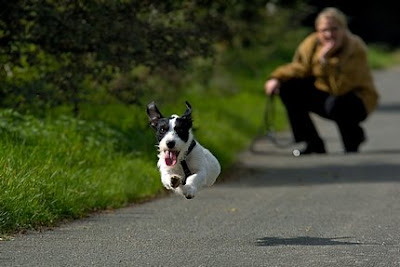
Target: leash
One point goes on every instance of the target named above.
(185, 167)
(267, 130)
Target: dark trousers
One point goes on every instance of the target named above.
(301, 97)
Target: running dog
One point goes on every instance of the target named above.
(184, 164)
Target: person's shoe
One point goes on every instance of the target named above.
(310, 149)
(354, 147)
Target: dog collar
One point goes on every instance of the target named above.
(185, 167)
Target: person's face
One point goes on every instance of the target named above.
(329, 31)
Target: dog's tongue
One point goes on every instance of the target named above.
(170, 158)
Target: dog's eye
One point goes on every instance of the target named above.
(163, 129)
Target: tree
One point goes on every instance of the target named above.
(62, 42)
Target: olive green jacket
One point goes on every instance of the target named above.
(347, 70)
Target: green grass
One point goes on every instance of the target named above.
(380, 57)
(64, 168)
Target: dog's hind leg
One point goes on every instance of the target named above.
(189, 191)
(193, 183)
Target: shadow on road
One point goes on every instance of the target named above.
(395, 107)
(256, 176)
(304, 241)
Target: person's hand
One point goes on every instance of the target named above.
(271, 86)
(327, 48)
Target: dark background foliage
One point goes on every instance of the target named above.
(374, 21)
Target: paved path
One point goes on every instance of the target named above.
(276, 210)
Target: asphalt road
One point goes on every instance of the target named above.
(274, 210)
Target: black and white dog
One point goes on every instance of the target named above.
(184, 164)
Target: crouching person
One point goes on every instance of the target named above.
(329, 76)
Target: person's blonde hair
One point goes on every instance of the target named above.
(332, 12)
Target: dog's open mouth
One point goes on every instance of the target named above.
(171, 157)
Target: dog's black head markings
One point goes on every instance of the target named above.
(181, 125)
(172, 133)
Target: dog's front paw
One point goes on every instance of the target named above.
(175, 181)
(189, 191)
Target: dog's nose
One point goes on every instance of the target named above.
(170, 144)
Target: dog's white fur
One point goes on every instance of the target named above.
(203, 165)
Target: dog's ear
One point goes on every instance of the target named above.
(154, 114)
(188, 112)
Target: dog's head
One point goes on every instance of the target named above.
(173, 133)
